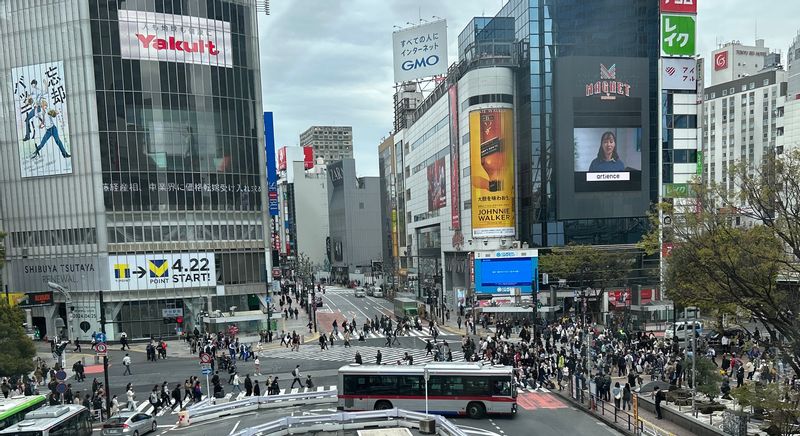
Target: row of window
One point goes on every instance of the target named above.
(50, 238)
(183, 233)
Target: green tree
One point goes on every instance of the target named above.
(708, 377)
(587, 266)
(18, 349)
(737, 247)
(776, 398)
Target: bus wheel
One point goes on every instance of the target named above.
(476, 410)
(383, 405)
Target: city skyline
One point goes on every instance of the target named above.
(300, 96)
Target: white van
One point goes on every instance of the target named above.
(679, 329)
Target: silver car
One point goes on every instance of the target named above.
(130, 423)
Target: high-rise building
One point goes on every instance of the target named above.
(743, 121)
(132, 161)
(545, 133)
(735, 60)
(331, 143)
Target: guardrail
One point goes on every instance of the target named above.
(208, 411)
(351, 421)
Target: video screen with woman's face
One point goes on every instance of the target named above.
(607, 159)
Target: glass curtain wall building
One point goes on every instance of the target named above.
(597, 32)
(161, 204)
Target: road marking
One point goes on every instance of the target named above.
(233, 430)
(477, 431)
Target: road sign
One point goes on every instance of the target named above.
(205, 358)
(101, 348)
(100, 337)
(61, 388)
(61, 375)
(207, 371)
(678, 35)
(205, 366)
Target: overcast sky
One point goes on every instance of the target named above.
(329, 62)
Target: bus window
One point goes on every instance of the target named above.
(501, 387)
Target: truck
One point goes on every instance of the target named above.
(405, 307)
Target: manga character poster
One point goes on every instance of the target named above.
(40, 109)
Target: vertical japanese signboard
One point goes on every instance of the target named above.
(455, 160)
(42, 122)
(677, 35)
(679, 74)
(420, 51)
(272, 173)
(492, 172)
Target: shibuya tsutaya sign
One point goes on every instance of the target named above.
(175, 38)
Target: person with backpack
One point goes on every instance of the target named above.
(297, 379)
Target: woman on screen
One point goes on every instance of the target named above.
(607, 159)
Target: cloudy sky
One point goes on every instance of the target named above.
(329, 62)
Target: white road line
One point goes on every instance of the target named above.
(233, 430)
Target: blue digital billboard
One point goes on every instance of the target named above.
(500, 272)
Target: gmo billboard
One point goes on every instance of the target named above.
(501, 272)
(420, 51)
(602, 138)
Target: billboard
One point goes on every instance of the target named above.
(678, 35)
(679, 74)
(78, 272)
(437, 185)
(679, 6)
(175, 38)
(336, 173)
(42, 121)
(162, 271)
(455, 160)
(721, 60)
(607, 158)
(502, 272)
(282, 158)
(491, 145)
(420, 51)
(308, 157)
(272, 173)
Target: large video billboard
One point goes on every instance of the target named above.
(491, 145)
(608, 158)
(42, 121)
(420, 51)
(602, 139)
(175, 38)
(501, 272)
(437, 185)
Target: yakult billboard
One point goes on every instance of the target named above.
(175, 38)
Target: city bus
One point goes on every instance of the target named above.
(13, 409)
(460, 388)
(64, 420)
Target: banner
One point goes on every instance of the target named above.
(455, 160)
(162, 271)
(437, 185)
(420, 51)
(679, 74)
(272, 173)
(308, 157)
(175, 38)
(492, 172)
(42, 122)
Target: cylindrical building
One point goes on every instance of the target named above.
(132, 161)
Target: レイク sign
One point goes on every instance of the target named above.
(175, 38)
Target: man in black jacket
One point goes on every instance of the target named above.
(248, 386)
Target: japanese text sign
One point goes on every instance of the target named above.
(679, 6)
(679, 74)
(420, 51)
(677, 35)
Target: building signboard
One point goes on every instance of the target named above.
(679, 6)
(721, 60)
(79, 273)
(308, 157)
(437, 185)
(678, 35)
(162, 271)
(678, 190)
(492, 173)
(455, 160)
(679, 74)
(42, 122)
(420, 51)
(175, 38)
(272, 173)
(506, 272)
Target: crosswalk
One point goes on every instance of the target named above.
(146, 407)
(422, 334)
(339, 353)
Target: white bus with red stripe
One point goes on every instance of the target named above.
(470, 389)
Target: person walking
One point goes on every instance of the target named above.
(257, 364)
(256, 389)
(131, 396)
(616, 392)
(237, 382)
(297, 379)
(274, 386)
(626, 397)
(358, 358)
(378, 357)
(154, 400)
(126, 362)
(248, 386)
(176, 395)
(123, 340)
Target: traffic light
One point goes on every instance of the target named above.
(179, 320)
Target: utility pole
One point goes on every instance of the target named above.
(105, 355)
